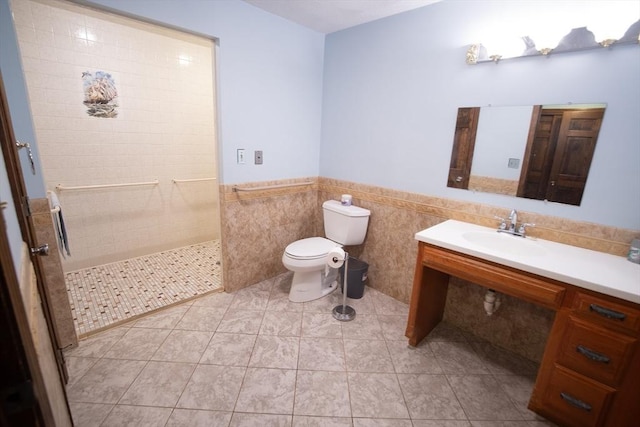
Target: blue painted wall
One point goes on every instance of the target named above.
(270, 83)
(15, 88)
(392, 89)
(376, 104)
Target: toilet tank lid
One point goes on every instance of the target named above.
(336, 206)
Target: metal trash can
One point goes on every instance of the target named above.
(357, 278)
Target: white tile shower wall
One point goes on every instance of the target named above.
(164, 129)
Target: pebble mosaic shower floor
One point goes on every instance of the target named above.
(107, 294)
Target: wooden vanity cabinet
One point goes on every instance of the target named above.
(590, 371)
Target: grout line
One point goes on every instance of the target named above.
(110, 294)
(381, 307)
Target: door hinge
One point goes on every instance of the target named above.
(18, 397)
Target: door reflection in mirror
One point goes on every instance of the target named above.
(539, 152)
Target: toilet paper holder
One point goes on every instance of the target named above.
(335, 259)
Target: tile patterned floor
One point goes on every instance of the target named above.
(107, 294)
(252, 358)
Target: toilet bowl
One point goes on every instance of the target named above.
(307, 258)
(312, 278)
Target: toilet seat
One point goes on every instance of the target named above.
(311, 248)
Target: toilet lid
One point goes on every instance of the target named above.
(310, 248)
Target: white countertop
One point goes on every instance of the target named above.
(597, 271)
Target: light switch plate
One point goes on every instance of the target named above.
(258, 157)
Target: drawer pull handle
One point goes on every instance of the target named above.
(576, 402)
(610, 314)
(590, 354)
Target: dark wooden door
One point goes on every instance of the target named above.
(19, 405)
(574, 152)
(25, 400)
(539, 155)
(559, 155)
(464, 141)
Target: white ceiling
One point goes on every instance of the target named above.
(327, 16)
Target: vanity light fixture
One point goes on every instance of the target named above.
(545, 40)
(578, 39)
(607, 42)
(472, 54)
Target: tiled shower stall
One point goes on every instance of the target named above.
(118, 101)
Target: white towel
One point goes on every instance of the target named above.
(58, 222)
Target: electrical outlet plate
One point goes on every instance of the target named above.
(258, 157)
(240, 154)
(514, 163)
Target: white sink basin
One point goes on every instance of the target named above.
(597, 271)
(505, 243)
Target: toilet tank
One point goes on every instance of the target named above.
(346, 225)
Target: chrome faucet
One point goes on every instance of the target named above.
(513, 220)
(513, 227)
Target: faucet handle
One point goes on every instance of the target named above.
(523, 227)
(503, 222)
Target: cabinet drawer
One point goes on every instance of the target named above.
(596, 352)
(510, 281)
(576, 400)
(607, 313)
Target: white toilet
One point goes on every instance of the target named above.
(307, 258)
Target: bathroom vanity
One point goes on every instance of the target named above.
(590, 371)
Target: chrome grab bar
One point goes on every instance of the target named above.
(271, 187)
(177, 181)
(91, 187)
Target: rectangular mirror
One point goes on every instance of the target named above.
(541, 152)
